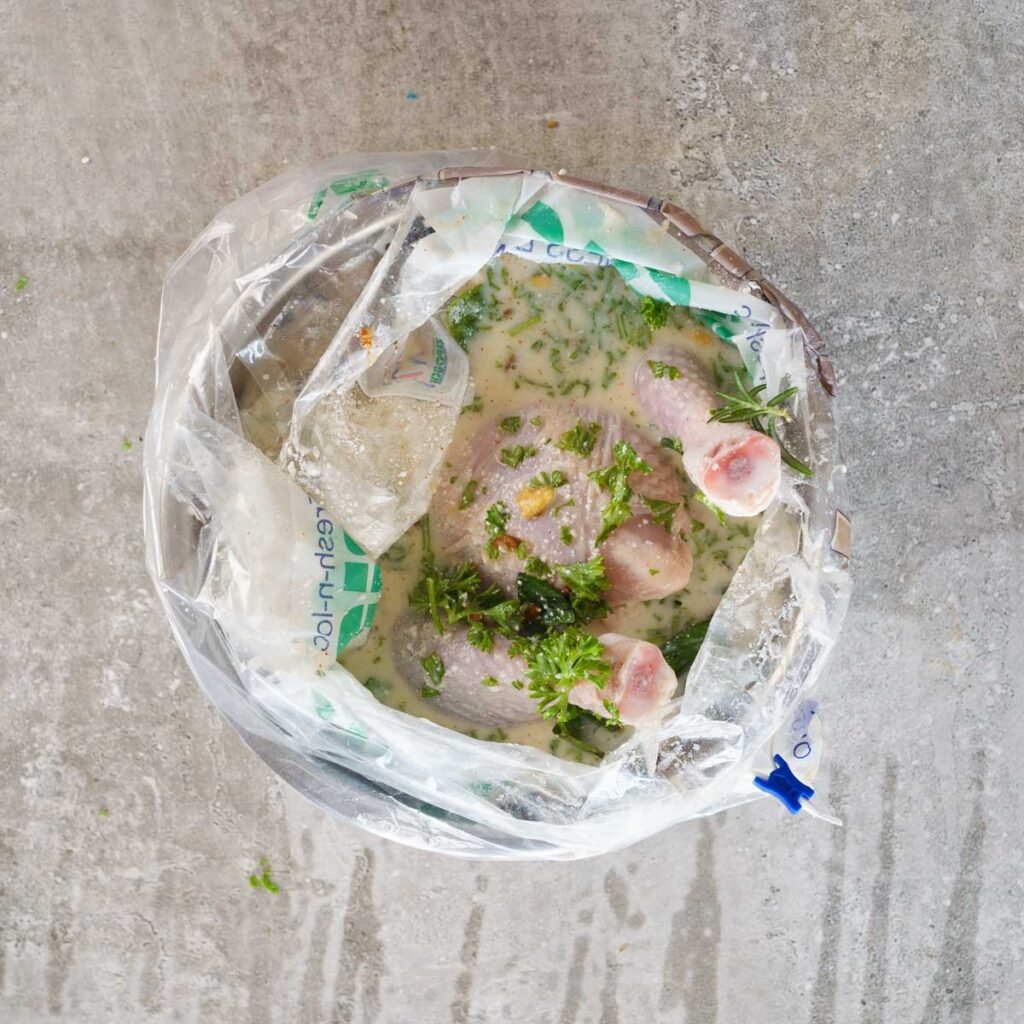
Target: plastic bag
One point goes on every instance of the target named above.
(310, 303)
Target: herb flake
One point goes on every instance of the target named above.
(581, 439)
(664, 371)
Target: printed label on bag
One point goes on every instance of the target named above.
(347, 589)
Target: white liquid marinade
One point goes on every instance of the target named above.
(555, 333)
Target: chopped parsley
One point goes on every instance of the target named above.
(21, 284)
(511, 424)
(655, 313)
(662, 512)
(380, 688)
(673, 444)
(264, 880)
(434, 668)
(580, 440)
(566, 535)
(705, 500)
(615, 480)
(465, 314)
(468, 495)
(480, 636)
(475, 406)
(515, 455)
(537, 567)
(555, 664)
(520, 327)
(496, 523)
(489, 681)
(587, 580)
(454, 596)
(556, 478)
(536, 421)
(565, 504)
(664, 370)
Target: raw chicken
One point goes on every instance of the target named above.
(643, 559)
(641, 680)
(641, 683)
(463, 693)
(737, 468)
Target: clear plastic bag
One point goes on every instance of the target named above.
(307, 303)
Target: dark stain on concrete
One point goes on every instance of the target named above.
(618, 899)
(312, 992)
(59, 945)
(690, 972)
(609, 991)
(874, 994)
(823, 994)
(468, 955)
(951, 997)
(362, 955)
(574, 980)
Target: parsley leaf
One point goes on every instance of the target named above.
(520, 327)
(586, 580)
(507, 617)
(705, 500)
(453, 596)
(515, 455)
(434, 668)
(537, 567)
(465, 313)
(496, 523)
(615, 479)
(468, 494)
(556, 478)
(655, 313)
(662, 512)
(556, 663)
(672, 444)
(480, 637)
(664, 370)
(511, 424)
(581, 439)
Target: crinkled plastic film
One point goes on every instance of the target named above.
(270, 325)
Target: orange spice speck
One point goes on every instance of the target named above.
(366, 337)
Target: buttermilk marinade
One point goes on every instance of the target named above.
(538, 336)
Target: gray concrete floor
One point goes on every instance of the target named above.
(870, 157)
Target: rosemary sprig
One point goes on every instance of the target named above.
(746, 406)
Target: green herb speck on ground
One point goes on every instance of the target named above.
(264, 880)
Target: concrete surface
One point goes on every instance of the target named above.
(871, 157)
